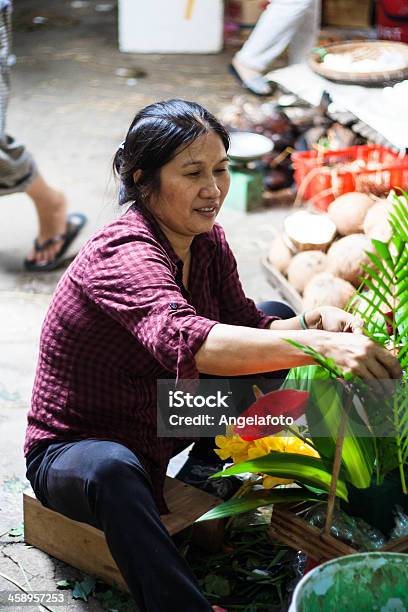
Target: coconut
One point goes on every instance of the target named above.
(304, 266)
(348, 212)
(279, 254)
(309, 231)
(376, 224)
(327, 290)
(346, 257)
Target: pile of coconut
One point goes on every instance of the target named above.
(322, 254)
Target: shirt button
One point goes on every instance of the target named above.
(173, 306)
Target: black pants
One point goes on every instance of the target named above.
(104, 484)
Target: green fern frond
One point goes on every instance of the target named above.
(380, 266)
(327, 364)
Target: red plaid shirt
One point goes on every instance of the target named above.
(120, 319)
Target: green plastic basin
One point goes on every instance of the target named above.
(362, 582)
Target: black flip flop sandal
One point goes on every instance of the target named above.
(75, 223)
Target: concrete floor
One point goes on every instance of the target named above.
(72, 110)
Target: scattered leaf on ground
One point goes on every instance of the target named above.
(17, 532)
(217, 585)
(83, 589)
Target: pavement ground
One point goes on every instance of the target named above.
(71, 107)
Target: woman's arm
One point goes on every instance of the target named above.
(232, 350)
(327, 318)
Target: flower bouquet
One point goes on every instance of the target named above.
(353, 444)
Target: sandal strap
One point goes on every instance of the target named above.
(41, 246)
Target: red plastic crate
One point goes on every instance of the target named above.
(392, 20)
(320, 179)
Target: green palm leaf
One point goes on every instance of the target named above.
(383, 251)
(388, 281)
(376, 290)
(380, 265)
(257, 499)
(403, 356)
(300, 468)
(398, 217)
(323, 415)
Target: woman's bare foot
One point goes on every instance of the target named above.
(51, 208)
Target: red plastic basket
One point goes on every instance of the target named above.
(322, 177)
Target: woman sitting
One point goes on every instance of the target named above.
(155, 294)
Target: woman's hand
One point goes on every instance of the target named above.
(358, 355)
(333, 319)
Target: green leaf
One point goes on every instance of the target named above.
(383, 250)
(302, 377)
(64, 584)
(386, 456)
(323, 415)
(17, 532)
(114, 600)
(385, 298)
(399, 217)
(257, 499)
(403, 356)
(217, 585)
(84, 589)
(380, 266)
(378, 285)
(326, 363)
(301, 468)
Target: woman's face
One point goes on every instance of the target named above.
(193, 186)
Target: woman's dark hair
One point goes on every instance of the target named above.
(156, 134)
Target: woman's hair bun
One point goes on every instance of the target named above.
(117, 160)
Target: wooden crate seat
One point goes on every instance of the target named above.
(85, 548)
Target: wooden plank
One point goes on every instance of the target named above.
(279, 282)
(77, 544)
(85, 548)
(186, 504)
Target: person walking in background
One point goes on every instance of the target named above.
(292, 24)
(19, 173)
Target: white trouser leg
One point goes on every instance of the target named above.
(276, 28)
(305, 37)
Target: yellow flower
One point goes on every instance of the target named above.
(234, 447)
(271, 481)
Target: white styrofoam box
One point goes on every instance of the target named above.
(171, 26)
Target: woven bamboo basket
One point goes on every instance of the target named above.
(361, 51)
(288, 526)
